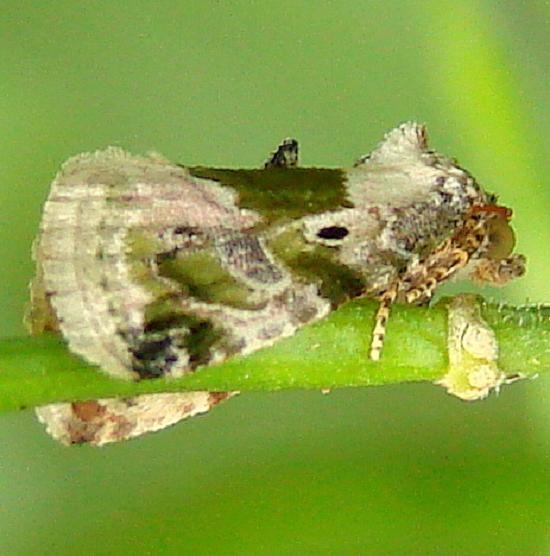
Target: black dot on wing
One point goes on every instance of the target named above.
(333, 232)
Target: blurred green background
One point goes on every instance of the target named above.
(394, 470)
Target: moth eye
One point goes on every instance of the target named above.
(333, 232)
(501, 239)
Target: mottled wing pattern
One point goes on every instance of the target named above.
(147, 271)
(83, 252)
(150, 269)
(103, 421)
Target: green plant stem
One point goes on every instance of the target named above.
(330, 354)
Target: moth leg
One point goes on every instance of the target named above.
(420, 282)
(499, 272)
(442, 267)
(285, 156)
(386, 300)
(419, 285)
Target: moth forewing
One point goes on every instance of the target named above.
(103, 421)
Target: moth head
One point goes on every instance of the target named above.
(500, 237)
(498, 264)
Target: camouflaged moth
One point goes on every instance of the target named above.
(150, 269)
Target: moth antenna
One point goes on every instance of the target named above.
(285, 156)
(381, 319)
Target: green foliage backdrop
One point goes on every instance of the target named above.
(390, 470)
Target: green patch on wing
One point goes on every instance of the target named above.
(201, 276)
(197, 274)
(319, 265)
(282, 193)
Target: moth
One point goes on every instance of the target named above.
(152, 269)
